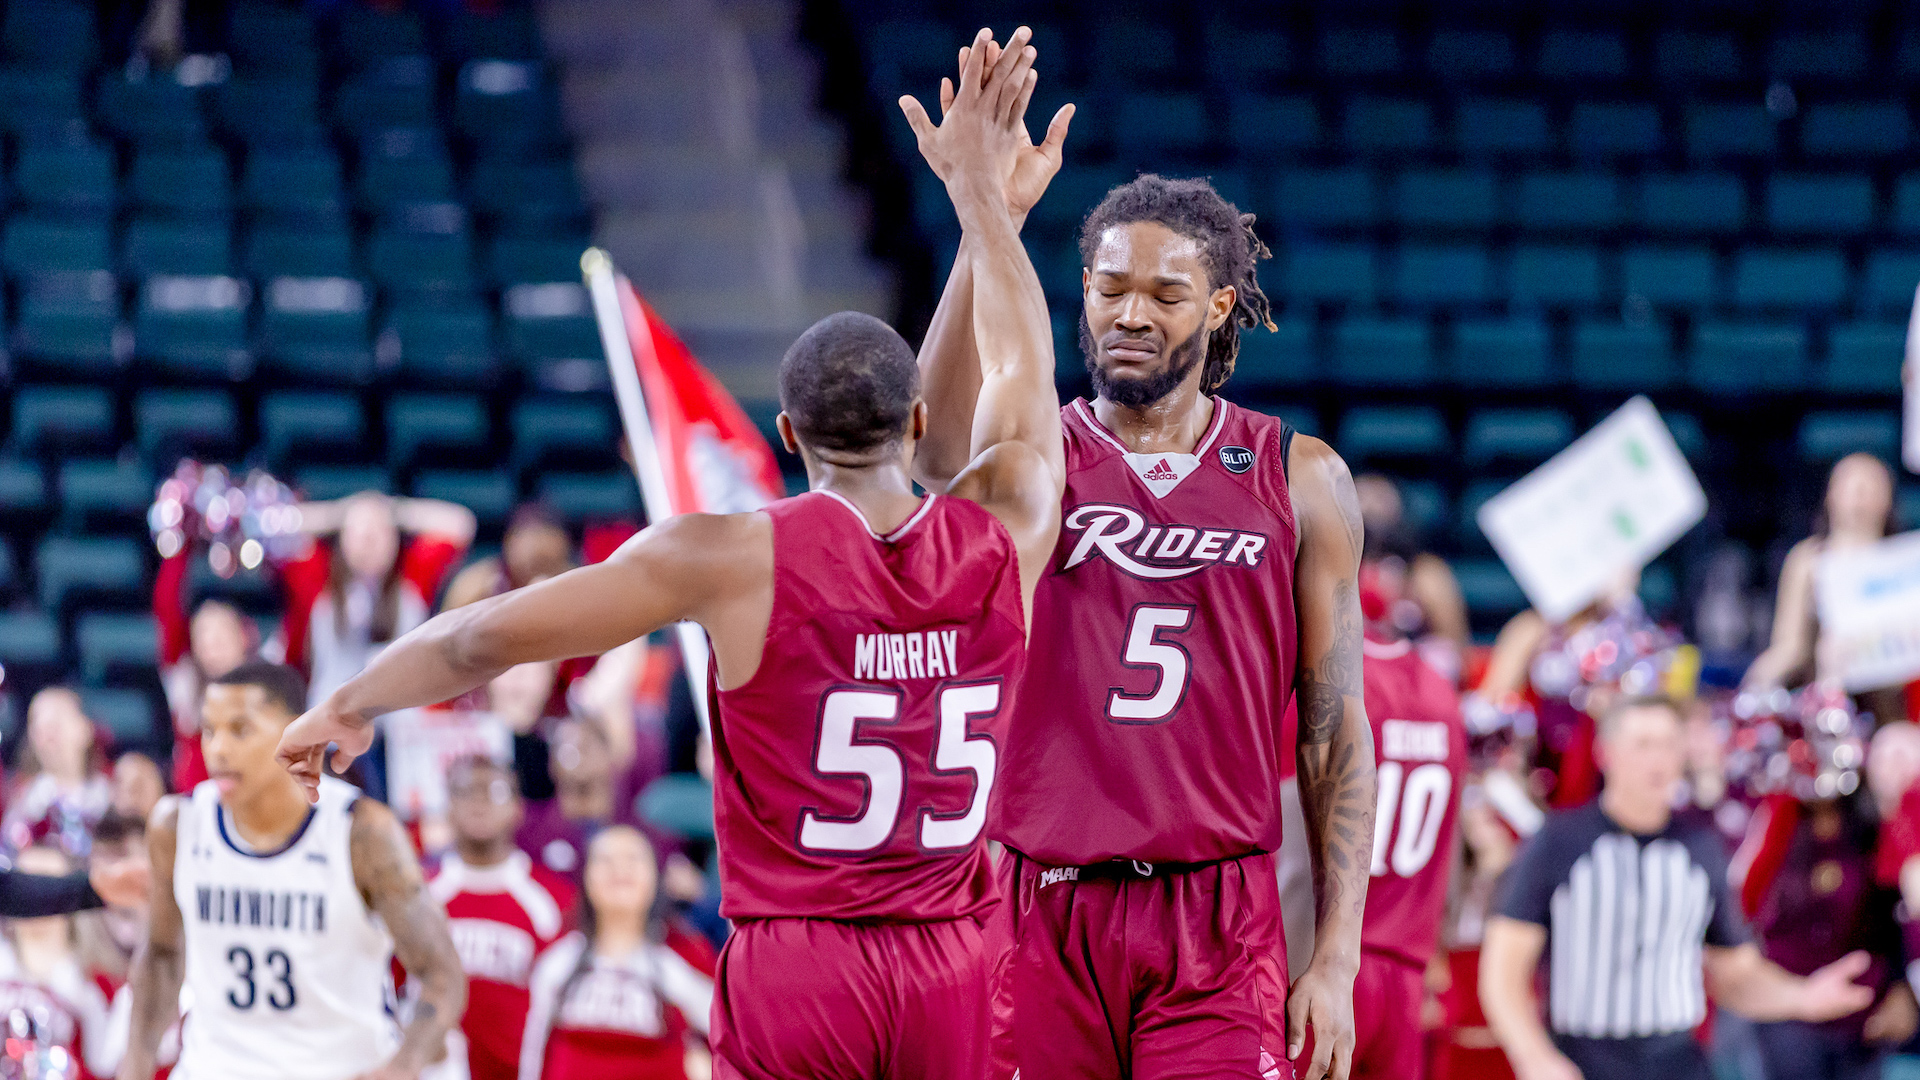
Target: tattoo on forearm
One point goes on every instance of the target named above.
(390, 880)
(1335, 763)
(1323, 691)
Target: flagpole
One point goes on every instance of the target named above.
(597, 267)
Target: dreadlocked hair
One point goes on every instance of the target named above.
(1228, 249)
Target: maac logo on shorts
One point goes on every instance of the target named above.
(1237, 459)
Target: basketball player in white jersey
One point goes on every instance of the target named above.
(282, 917)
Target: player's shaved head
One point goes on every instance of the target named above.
(848, 384)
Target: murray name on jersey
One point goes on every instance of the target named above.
(931, 654)
(1123, 536)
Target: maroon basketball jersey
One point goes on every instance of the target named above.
(852, 773)
(1162, 653)
(1420, 748)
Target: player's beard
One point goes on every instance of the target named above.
(1142, 392)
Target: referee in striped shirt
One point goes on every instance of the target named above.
(1632, 908)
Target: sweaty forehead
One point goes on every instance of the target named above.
(1148, 249)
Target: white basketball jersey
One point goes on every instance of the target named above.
(288, 971)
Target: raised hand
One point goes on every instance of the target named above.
(303, 746)
(982, 129)
(1033, 166)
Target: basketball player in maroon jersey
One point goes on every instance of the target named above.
(1420, 754)
(1205, 571)
(866, 644)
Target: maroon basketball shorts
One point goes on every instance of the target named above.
(1128, 970)
(851, 1001)
(1388, 1041)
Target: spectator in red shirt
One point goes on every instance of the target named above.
(193, 653)
(62, 789)
(503, 912)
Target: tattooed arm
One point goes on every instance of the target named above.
(158, 968)
(389, 878)
(1335, 752)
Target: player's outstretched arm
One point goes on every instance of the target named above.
(950, 374)
(389, 878)
(710, 568)
(158, 966)
(1334, 754)
(1742, 979)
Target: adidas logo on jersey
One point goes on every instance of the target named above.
(1155, 552)
(1163, 470)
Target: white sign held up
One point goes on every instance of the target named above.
(1603, 507)
(1869, 600)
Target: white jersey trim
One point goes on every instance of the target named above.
(513, 877)
(926, 504)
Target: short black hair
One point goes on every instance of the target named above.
(1229, 250)
(848, 384)
(282, 684)
(116, 826)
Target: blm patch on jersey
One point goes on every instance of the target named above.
(1162, 472)
(1237, 459)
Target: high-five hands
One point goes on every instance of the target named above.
(1033, 166)
(982, 135)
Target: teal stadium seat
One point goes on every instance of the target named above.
(1348, 196)
(1582, 55)
(298, 252)
(515, 260)
(1442, 275)
(315, 330)
(1864, 358)
(30, 642)
(530, 197)
(169, 424)
(188, 183)
(1358, 51)
(1906, 205)
(403, 260)
(1371, 351)
(369, 103)
(1568, 201)
(194, 326)
(1265, 126)
(1554, 276)
(1516, 352)
(156, 112)
(1808, 203)
(1691, 57)
(445, 346)
(1329, 273)
(56, 34)
(590, 496)
(1242, 54)
(37, 246)
(1486, 126)
(116, 645)
(1446, 199)
(1302, 418)
(1491, 594)
(1828, 436)
(340, 481)
(1370, 433)
(549, 432)
(550, 321)
(266, 38)
(1163, 124)
(1614, 129)
(1680, 277)
(1790, 278)
(1423, 506)
(1617, 356)
(1719, 131)
(38, 105)
(511, 34)
(1466, 520)
(1469, 54)
(505, 106)
(1906, 505)
(1282, 357)
(1387, 126)
(271, 114)
(164, 246)
(67, 177)
(1688, 435)
(128, 714)
(297, 425)
(1892, 275)
(1738, 358)
(96, 568)
(403, 165)
(23, 489)
(1856, 130)
(61, 418)
(71, 322)
(366, 36)
(111, 494)
(1515, 437)
(1832, 55)
(1700, 202)
(294, 187)
(490, 495)
(420, 424)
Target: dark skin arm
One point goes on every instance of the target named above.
(1334, 754)
(390, 882)
(158, 965)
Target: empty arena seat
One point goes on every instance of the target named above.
(421, 423)
(129, 714)
(527, 195)
(194, 325)
(1554, 276)
(49, 34)
(65, 177)
(1327, 197)
(1502, 352)
(304, 425)
(1466, 525)
(1376, 125)
(267, 37)
(165, 246)
(1450, 198)
(99, 569)
(1856, 129)
(1440, 275)
(70, 322)
(1372, 351)
(300, 252)
(401, 166)
(56, 417)
(450, 345)
(1692, 202)
(1669, 276)
(168, 424)
(1748, 357)
(405, 261)
(1515, 436)
(1329, 273)
(1371, 432)
(108, 494)
(1160, 124)
(1469, 54)
(505, 105)
(1789, 278)
(1423, 506)
(1864, 358)
(300, 187)
(1358, 50)
(1268, 125)
(1828, 436)
(1488, 126)
(1714, 130)
(1587, 201)
(550, 321)
(315, 329)
(340, 481)
(270, 113)
(150, 112)
(1821, 204)
(1612, 355)
(42, 246)
(1489, 591)
(1891, 278)
(514, 260)
(1284, 356)
(587, 496)
(23, 489)
(549, 431)
(490, 495)
(30, 641)
(1832, 54)
(1582, 54)
(36, 103)
(111, 644)
(1687, 56)
(1615, 129)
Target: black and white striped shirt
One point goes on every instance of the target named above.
(1627, 917)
